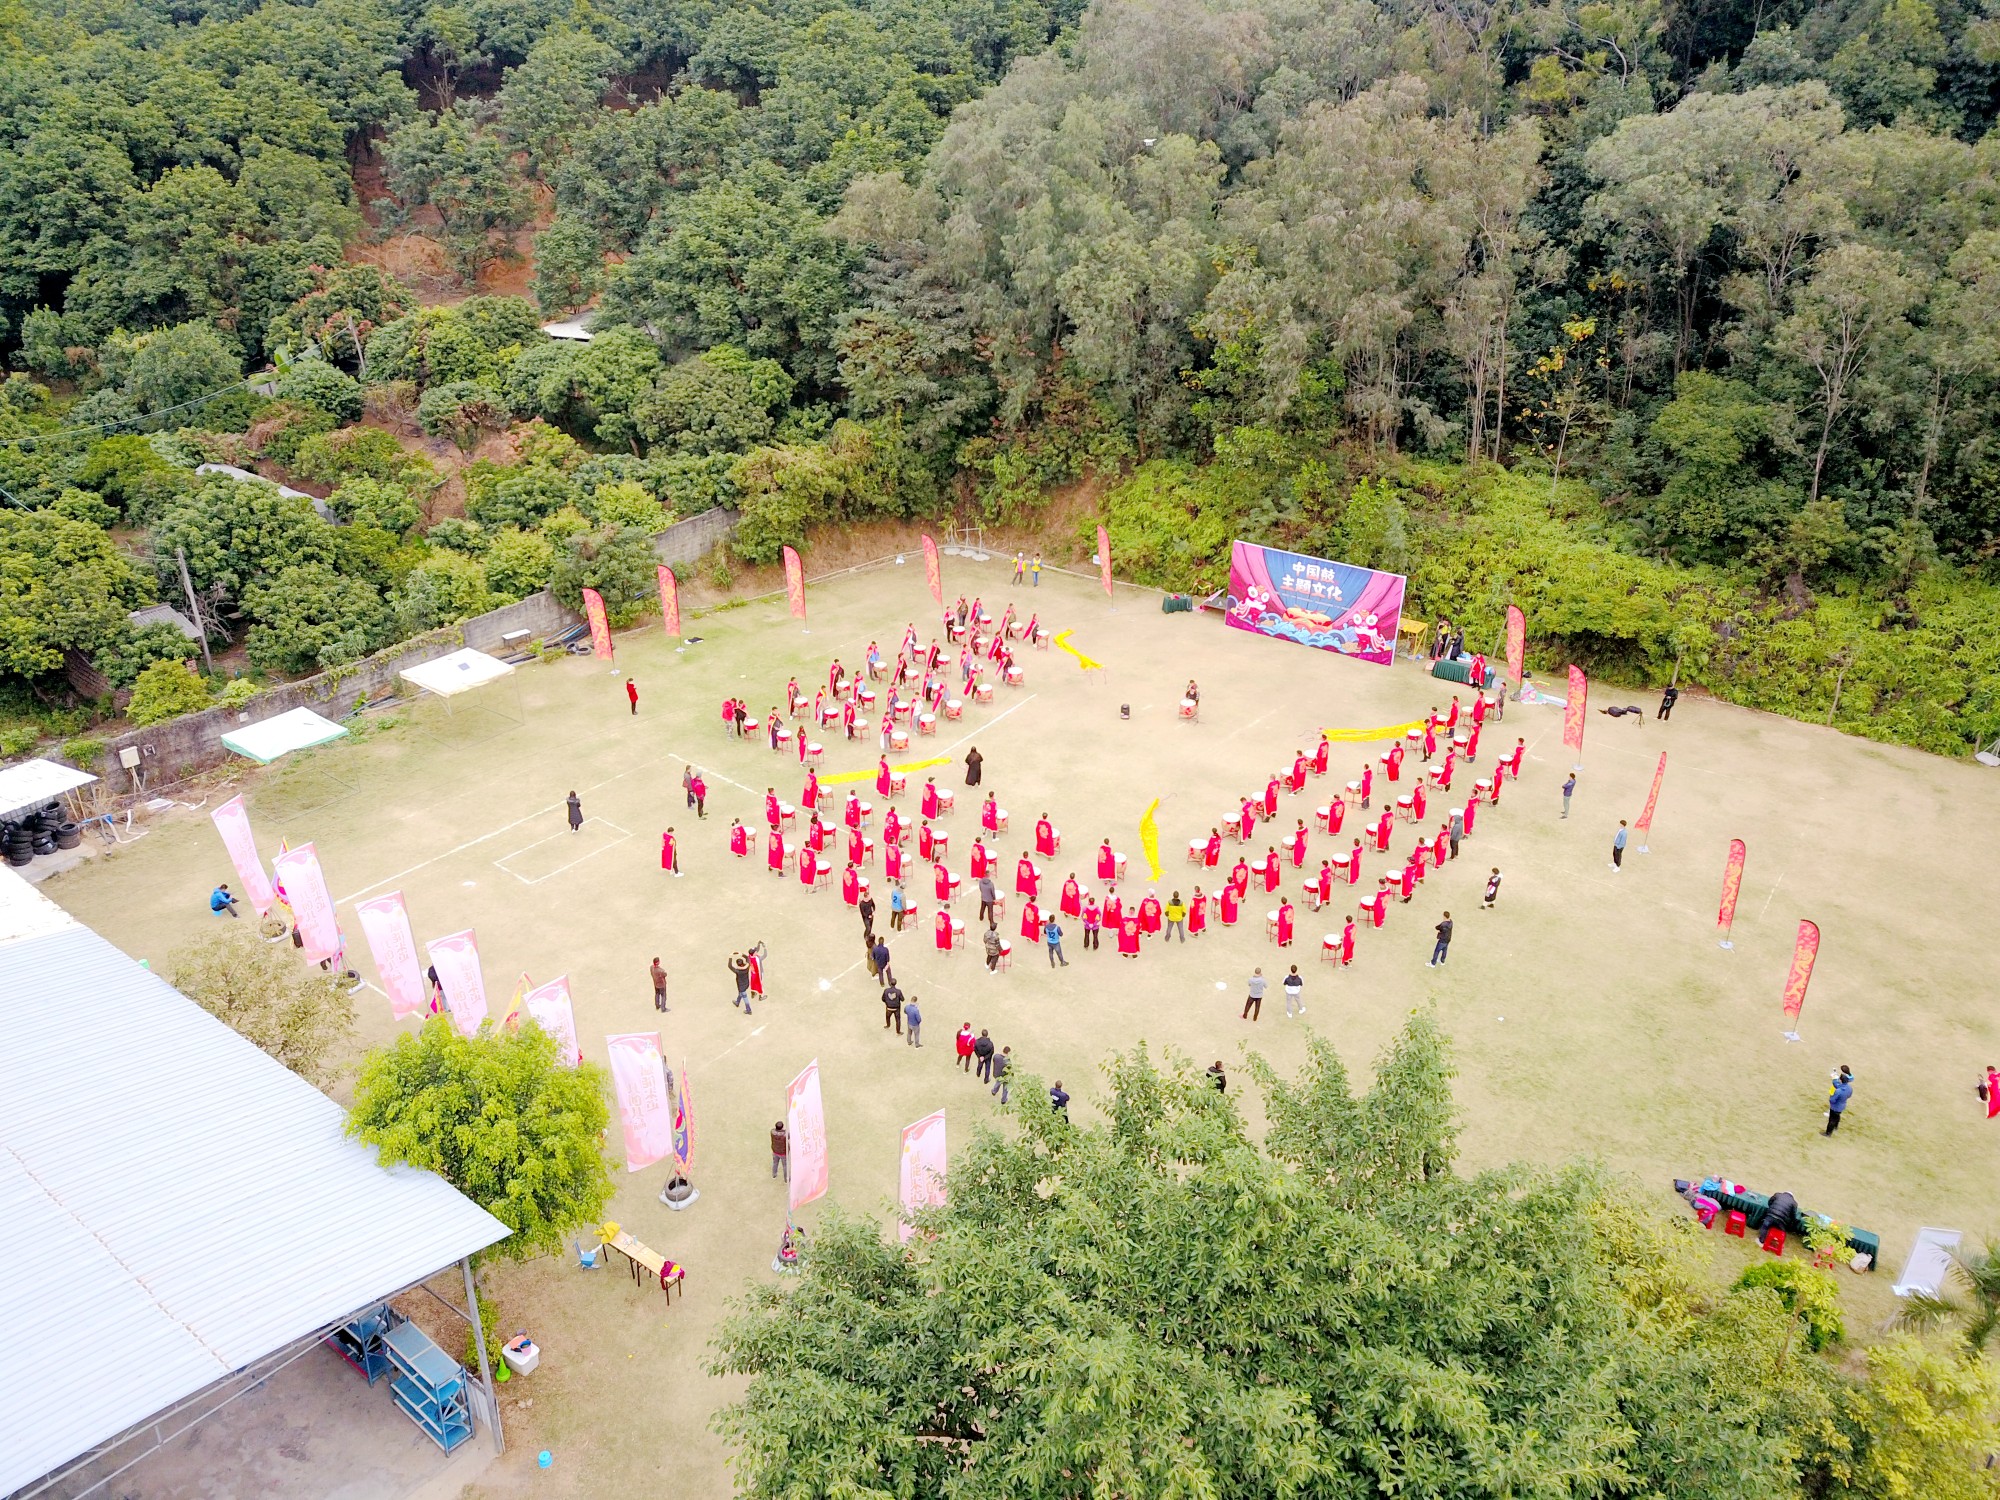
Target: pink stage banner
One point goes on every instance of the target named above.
(299, 873)
(385, 925)
(600, 624)
(805, 1123)
(1517, 644)
(549, 1007)
(1804, 953)
(232, 821)
(1573, 710)
(640, 1076)
(920, 1184)
(1732, 882)
(670, 601)
(795, 584)
(684, 1124)
(933, 574)
(1332, 606)
(1645, 823)
(1104, 557)
(456, 958)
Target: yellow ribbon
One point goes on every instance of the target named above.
(1361, 736)
(1149, 839)
(1083, 662)
(915, 765)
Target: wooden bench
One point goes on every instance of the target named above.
(639, 1257)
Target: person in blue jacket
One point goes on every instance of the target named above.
(1837, 1097)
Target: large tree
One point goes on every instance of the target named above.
(299, 1014)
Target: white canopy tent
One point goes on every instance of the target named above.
(33, 782)
(450, 677)
(300, 729)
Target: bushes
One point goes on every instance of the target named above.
(359, 453)
(315, 383)
(1808, 1294)
(618, 562)
(165, 690)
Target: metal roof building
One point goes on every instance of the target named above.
(174, 1205)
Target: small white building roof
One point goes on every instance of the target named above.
(176, 1203)
(33, 782)
(297, 729)
(460, 672)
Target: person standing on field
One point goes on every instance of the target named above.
(1253, 1008)
(982, 1050)
(659, 986)
(1295, 987)
(1837, 1098)
(963, 1043)
(1001, 1064)
(781, 1151)
(575, 805)
(1618, 846)
(1492, 889)
(1569, 786)
(1443, 945)
(632, 693)
(1667, 701)
(913, 1020)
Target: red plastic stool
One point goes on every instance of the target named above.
(1735, 1224)
(1773, 1242)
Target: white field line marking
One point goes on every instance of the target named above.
(501, 863)
(758, 1031)
(1767, 900)
(974, 734)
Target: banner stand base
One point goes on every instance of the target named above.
(1792, 1036)
(1725, 943)
(1644, 850)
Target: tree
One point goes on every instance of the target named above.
(315, 383)
(721, 401)
(345, 306)
(376, 502)
(452, 162)
(1923, 1426)
(236, 531)
(173, 366)
(440, 590)
(1160, 1306)
(553, 93)
(166, 690)
(1973, 1303)
(64, 585)
(498, 1118)
(617, 561)
(461, 410)
(310, 616)
(569, 263)
(300, 1015)
(518, 562)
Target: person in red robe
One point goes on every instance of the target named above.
(1478, 710)
(1298, 777)
(1228, 903)
(1031, 922)
(1271, 868)
(1299, 836)
(857, 847)
(792, 696)
(1479, 674)
(809, 798)
(808, 868)
(1320, 753)
(1430, 735)
(941, 882)
(1514, 768)
(1107, 862)
(981, 860)
(941, 932)
(739, 839)
(1149, 915)
(771, 814)
(1451, 719)
(1472, 744)
(1406, 880)
(850, 885)
(1336, 814)
(1114, 908)
(1239, 878)
(1367, 784)
(1471, 806)
(1071, 902)
(1444, 772)
(1211, 854)
(1284, 924)
(989, 814)
(892, 863)
(1418, 797)
(1321, 885)
(926, 841)
(1420, 856)
(833, 675)
(851, 813)
(1271, 798)
(930, 800)
(1378, 904)
(1440, 846)
(1128, 935)
(774, 857)
(1045, 836)
(756, 974)
(1197, 918)
(670, 852)
(1246, 822)
(1382, 832)
(892, 827)
(1347, 943)
(1354, 864)
(882, 776)
(1494, 794)
(799, 743)
(818, 835)
(1027, 879)
(1396, 762)
(847, 723)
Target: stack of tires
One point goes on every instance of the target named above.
(42, 831)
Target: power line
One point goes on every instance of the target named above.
(102, 427)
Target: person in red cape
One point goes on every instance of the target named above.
(1211, 854)
(1284, 924)
(941, 931)
(1367, 783)
(1128, 935)
(1336, 814)
(1031, 922)
(926, 841)
(808, 868)
(1478, 710)
(1271, 798)
(1396, 762)
(1354, 864)
(1298, 777)
(1228, 903)
(1321, 885)
(1320, 753)
(930, 802)
(882, 782)
(892, 863)
(1471, 806)
(1271, 869)
(818, 835)
(1239, 878)
(809, 798)
(1493, 792)
(1472, 744)
(1418, 797)
(1440, 846)
(1299, 836)
(1420, 856)
(792, 696)
(1520, 749)
(1451, 719)
(1045, 836)
(892, 827)
(1071, 901)
(1107, 862)
(774, 858)
(1406, 881)
(1444, 772)
(1197, 913)
(1027, 879)
(833, 675)
(1479, 674)
(670, 852)
(847, 719)
(1149, 915)
(799, 743)
(1114, 908)
(1430, 735)
(771, 814)
(739, 838)
(851, 811)
(941, 882)
(1382, 832)
(1246, 821)
(1378, 904)
(850, 886)
(980, 860)
(1347, 943)
(857, 846)
(756, 974)
(989, 814)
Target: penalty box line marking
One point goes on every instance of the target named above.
(501, 862)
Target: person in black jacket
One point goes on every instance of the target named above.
(983, 1050)
(1443, 942)
(1667, 701)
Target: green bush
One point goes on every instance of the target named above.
(83, 751)
(359, 453)
(1809, 1294)
(376, 502)
(19, 739)
(518, 563)
(166, 690)
(618, 562)
(286, 427)
(315, 383)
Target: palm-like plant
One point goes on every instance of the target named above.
(1974, 1303)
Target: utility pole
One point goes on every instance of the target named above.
(194, 607)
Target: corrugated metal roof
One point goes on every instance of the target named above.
(174, 1203)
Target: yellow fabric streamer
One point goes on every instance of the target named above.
(1083, 662)
(1362, 736)
(1149, 839)
(915, 765)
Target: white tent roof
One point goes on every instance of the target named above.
(300, 729)
(34, 782)
(176, 1204)
(460, 672)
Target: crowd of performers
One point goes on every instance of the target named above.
(843, 837)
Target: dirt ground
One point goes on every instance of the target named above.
(1593, 1012)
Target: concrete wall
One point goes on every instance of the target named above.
(172, 751)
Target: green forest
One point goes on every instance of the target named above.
(1675, 321)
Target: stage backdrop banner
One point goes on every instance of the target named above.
(1732, 882)
(456, 958)
(1517, 642)
(549, 1007)
(795, 584)
(670, 601)
(1804, 952)
(921, 1181)
(933, 573)
(232, 821)
(1573, 710)
(1333, 606)
(299, 873)
(385, 924)
(640, 1077)
(600, 624)
(805, 1123)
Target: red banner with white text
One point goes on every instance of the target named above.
(1517, 644)
(232, 821)
(805, 1123)
(299, 873)
(670, 601)
(795, 584)
(600, 624)
(933, 573)
(1573, 710)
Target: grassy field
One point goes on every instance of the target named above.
(1593, 1012)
